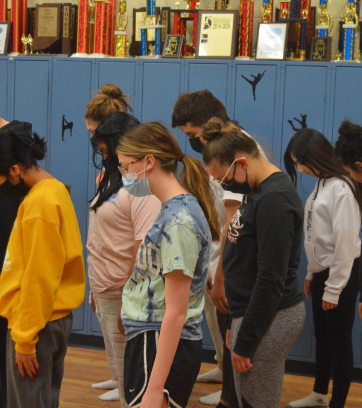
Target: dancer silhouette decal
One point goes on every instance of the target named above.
(66, 125)
(254, 82)
(302, 123)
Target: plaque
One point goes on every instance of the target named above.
(321, 49)
(271, 43)
(47, 26)
(216, 34)
(138, 20)
(4, 37)
(173, 46)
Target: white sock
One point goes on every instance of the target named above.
(211, 399)
(213, 376)
(112, 395)
(106, 385)
(313, 400)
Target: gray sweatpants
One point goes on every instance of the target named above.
(261, 386)
(51, 348)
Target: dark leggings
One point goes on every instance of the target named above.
(3, 336)
(228, 393)
(333, 333)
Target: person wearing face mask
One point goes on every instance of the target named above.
(332, 221)
(260, 260)
(9, 207)
(191, 112)
(163, 299)
(43, 277)
(118, 222)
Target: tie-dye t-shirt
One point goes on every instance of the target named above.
(180, 239)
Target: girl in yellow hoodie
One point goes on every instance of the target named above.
(43, 277)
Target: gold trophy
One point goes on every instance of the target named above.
(27, 41)
(122, 20)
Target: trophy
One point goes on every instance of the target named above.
(324, 20)
(284, 9)
(151, 21)
(19, 19)
(122, 20)
(303, 36)
(246, 29)
(27, 41)
(350, 24)
(3, 10)
(180, 17)
(267, 11)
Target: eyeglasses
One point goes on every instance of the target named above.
(124, 169)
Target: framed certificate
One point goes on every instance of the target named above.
(4, 36)
(272, 39)
(216, 34)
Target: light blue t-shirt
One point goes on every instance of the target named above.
(180, 239)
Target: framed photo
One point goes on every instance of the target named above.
(173, 46)
(216, 34)
(271, 43)
(321, 49)
(5, 27)
(138, 18)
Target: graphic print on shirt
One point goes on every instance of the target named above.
(309, 220)
(235, 226)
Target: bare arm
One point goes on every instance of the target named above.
(177, 289)
(218, 290)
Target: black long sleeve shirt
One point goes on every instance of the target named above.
(261, 257)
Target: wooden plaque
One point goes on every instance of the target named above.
(321, 49)
(47, 26)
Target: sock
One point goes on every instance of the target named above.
(106, 385)
(112, 395)
(214, 376)
(211, 399)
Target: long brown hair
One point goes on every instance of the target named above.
(110, 99)
(154, 138)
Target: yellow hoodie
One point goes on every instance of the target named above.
(43, 276)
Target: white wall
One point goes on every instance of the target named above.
(336, 8)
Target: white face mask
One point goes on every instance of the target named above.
(140, 189)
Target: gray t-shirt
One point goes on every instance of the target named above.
(180, 239)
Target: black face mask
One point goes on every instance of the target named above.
(14, 191)
(196, 144)
(235, 187)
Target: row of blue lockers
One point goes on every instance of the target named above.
(271, 100)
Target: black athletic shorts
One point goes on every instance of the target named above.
(139, 357)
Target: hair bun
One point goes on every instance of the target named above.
(213, 128)
(112, 91)
(350, 130)
(37, 148)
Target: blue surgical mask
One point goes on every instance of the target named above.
(140, 189)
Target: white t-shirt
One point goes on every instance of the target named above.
(332, 222)
(113, 230)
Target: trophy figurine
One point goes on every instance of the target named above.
(24, 40)
(122, 20)
(285, 9)
(350, 20)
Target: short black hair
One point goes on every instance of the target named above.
(197, 108)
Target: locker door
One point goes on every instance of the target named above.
(69, 152)
(4, 87)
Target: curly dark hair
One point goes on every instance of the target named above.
(349, 144)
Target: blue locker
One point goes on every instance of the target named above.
(161, 87)
(4, 112)
(71, 91)
(31, 98)
(122, 74)
(255, 100)
(304, 101)
(347, 102)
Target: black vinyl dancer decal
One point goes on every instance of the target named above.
(65, 126)
(302, 123)
(254, 82)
